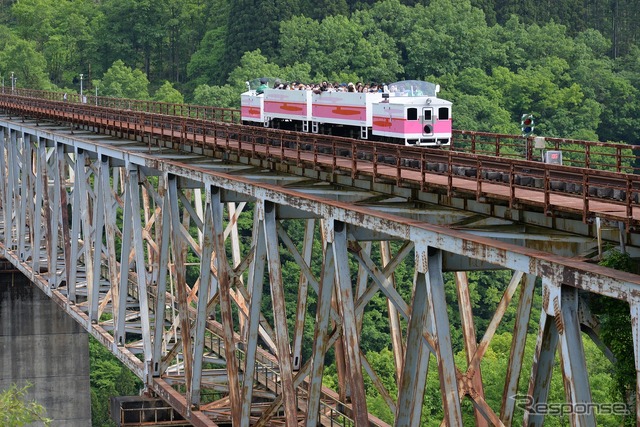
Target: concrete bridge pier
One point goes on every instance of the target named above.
(42, 345)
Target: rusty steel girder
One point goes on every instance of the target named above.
(184, 305)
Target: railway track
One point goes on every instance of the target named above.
(556, 190)
(614, 157)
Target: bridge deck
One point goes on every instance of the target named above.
(111, 175)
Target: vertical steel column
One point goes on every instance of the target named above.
(15, 179)
(163, 263)
(141, 271)
(362, 280)
(543, 361)
(146, 208)
(394, 317)
(10, 191)
(321, 335)
(111, 228)
(412, 382)
(55, 215)
(279, 314)
(79, 186)
(203, 299)
(87, 203)
(255, 285)
(4, 175)
(635, 330)
(232, 233)
(351, 338)
(29, 194)
(574, 366)
(21, 208)
(518, 343)
(179, 249)
(40, 183)
(120, 293)
(98, 225)
(470, 342)
(440, 322)
(225, 306)
(63, 206)
(303, 286)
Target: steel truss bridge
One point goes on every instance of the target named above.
(129, 220)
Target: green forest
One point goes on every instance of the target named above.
(573, 64)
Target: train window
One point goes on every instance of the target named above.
(443, 113)
(427, 114)
(412, 114)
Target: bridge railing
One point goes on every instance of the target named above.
(356, 156)
(616, 157)
(202, 112)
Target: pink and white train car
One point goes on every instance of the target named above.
(407, 112)
(346, 109)
(414, 114)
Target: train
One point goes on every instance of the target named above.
(407, 112)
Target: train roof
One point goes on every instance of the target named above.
(414, 88)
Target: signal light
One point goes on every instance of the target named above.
(527, 124)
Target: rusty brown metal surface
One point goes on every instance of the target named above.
(474, 376)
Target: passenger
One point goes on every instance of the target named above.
(262, 87)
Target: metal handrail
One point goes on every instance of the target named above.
(183, 132)
(617, 157)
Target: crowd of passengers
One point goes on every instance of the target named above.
(327, 87)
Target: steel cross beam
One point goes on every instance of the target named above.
(172, 308)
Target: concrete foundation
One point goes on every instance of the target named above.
(41, 345)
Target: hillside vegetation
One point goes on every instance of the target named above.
(573, 64)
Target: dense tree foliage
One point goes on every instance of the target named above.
(573, 64)
(109, 378)
(615, 330)
(16, 410)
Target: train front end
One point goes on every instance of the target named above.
(414, 115)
